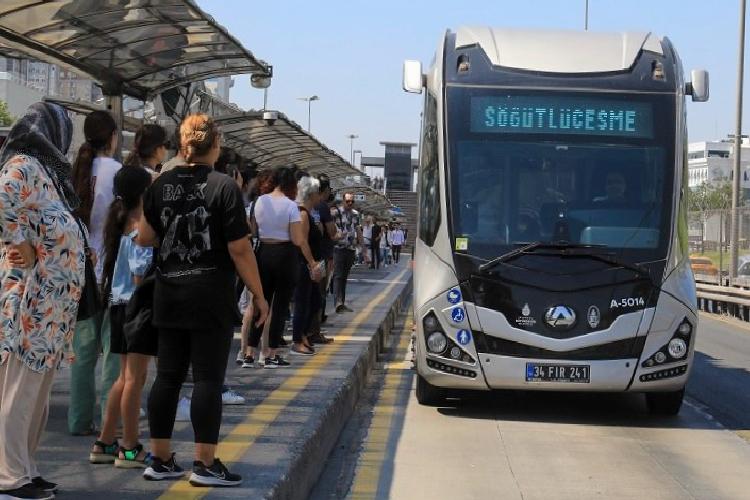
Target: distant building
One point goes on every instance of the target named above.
(712, 162)
(220, 87)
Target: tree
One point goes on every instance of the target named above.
(705, 198)
(6, 119)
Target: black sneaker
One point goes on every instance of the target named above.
(159, 469)
(216, 475)
(276, 362)
(248, 362)
(43, 485)
(26, 491)
(283, 342)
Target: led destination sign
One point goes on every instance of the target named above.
(561, 115)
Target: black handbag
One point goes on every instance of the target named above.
(141, 336)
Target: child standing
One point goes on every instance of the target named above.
(125, 264)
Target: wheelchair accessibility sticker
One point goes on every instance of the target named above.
(458, 314)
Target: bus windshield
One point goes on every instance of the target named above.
(593, 170)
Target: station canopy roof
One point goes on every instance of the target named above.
(286, 143)
(135, 47)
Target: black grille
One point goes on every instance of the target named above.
(620, 349)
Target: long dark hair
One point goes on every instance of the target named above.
(286, 180)
(129, 185)
(148, 139)
(98, 129)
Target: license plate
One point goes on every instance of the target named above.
(578, 374)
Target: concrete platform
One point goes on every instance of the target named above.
(279, 440)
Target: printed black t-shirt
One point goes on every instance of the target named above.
(195, 212)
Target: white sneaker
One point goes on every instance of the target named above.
(229, 397)
(183, 410)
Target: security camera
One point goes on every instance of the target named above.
(270, 117)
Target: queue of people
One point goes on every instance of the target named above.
(144, 264)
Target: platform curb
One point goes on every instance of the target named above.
(308, 461)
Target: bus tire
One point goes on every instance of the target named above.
(665, 403)
(428, 394)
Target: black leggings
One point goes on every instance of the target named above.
(206, 351)
(307, 302)
(278, 275)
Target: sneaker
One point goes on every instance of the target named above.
(249, 362)
(26, 491)
(240, 358)
(159, 469)
(346, 308)
(283, 342)
(276, 362)
(216, 475)
(106, 456)
(46, 486)
(230, 397)
(340, 309)
(183, 410)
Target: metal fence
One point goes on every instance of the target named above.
(709, 235)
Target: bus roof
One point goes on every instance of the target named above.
(558, 51)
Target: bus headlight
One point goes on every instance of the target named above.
(677, 348)
(685, 328)
(437, 342)
(431, 323)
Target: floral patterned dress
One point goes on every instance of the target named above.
(38, 305)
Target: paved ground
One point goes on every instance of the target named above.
(260, 438)
(552, 446)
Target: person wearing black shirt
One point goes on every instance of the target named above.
(196, 218)
(375, 246)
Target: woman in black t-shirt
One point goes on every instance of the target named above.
(196, 218)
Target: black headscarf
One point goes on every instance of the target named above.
(45, 133)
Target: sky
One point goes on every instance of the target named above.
(350, 54)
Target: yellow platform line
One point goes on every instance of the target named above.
(370, 465)
(234, 446)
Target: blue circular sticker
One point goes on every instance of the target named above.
(454, 296)
(458, 314)
(463, 337)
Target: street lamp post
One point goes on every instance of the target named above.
(309, 101)
(351, 138)
(586, 17)
(735, 228)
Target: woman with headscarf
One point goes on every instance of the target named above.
(42, 263)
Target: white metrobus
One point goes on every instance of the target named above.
(552, 235)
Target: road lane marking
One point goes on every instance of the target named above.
(398, 378)
(242, 436)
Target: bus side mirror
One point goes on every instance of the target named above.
(413, 78)
(698, 87)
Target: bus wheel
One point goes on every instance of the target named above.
(428, 394)
(665, 403)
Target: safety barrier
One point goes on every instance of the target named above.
(730, 300)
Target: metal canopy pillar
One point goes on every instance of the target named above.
(113, 102)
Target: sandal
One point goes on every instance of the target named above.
(106, 455)
(134, 458)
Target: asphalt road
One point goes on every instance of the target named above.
(550, 446)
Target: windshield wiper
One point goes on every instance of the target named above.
(527, 247)
(564, 245)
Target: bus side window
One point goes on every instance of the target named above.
(429, 175)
